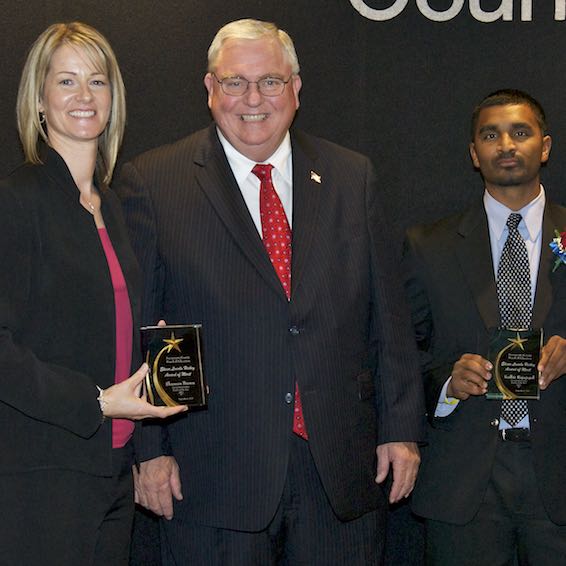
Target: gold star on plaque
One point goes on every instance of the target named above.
(518, 342)
(173, 343)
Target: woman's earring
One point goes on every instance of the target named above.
(42, 118)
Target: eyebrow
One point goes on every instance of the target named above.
(266, 76)
(75, 73)
(487, 128)
(514, 125)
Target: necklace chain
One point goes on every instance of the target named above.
(87, 204)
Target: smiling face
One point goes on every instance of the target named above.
(508, 148)
(253, 123)
(76, 99)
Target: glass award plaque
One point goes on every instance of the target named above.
(515, 355)
(174, 356)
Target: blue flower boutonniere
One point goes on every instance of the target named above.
(558, 246)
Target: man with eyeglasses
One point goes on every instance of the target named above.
(276, 242)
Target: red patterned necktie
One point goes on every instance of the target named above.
(277, 241)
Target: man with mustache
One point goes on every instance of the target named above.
(491, 483)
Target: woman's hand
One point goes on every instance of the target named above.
(125, 400)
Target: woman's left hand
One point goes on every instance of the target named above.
(125, 400)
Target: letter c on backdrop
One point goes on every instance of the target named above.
(379, 15)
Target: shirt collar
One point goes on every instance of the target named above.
(532, 213)
(242, 166)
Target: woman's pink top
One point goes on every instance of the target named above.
(122, 429)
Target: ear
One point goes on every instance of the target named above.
(546, 145)
(296, 83)
(209, 85)
(474, 155)
(40, 106)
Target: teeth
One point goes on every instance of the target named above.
(82, 113)
(253, 117)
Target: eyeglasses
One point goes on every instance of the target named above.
(236, 86)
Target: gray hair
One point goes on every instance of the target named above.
(252, 29)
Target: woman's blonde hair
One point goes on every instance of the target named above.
(99, 52)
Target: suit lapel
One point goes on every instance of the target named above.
(308, 185)
(554, 219)
(217, 181)
(474, 257)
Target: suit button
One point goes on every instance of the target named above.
(289, 398)
(494, 422)
(294, 331)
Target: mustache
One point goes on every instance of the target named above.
(508, 155)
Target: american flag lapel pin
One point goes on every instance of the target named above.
(315, 177)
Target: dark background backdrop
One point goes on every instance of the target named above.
(400, 91)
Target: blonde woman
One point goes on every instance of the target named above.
(69, 295)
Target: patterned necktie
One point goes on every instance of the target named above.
(277, 241)
(514, 294)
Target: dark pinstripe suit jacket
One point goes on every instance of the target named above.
(453, 296)
(344, 336)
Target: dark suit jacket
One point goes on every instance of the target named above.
(344, 336)
(452, 293)
(57, 321)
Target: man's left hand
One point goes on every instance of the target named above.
(552, 362)
(404, 458)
